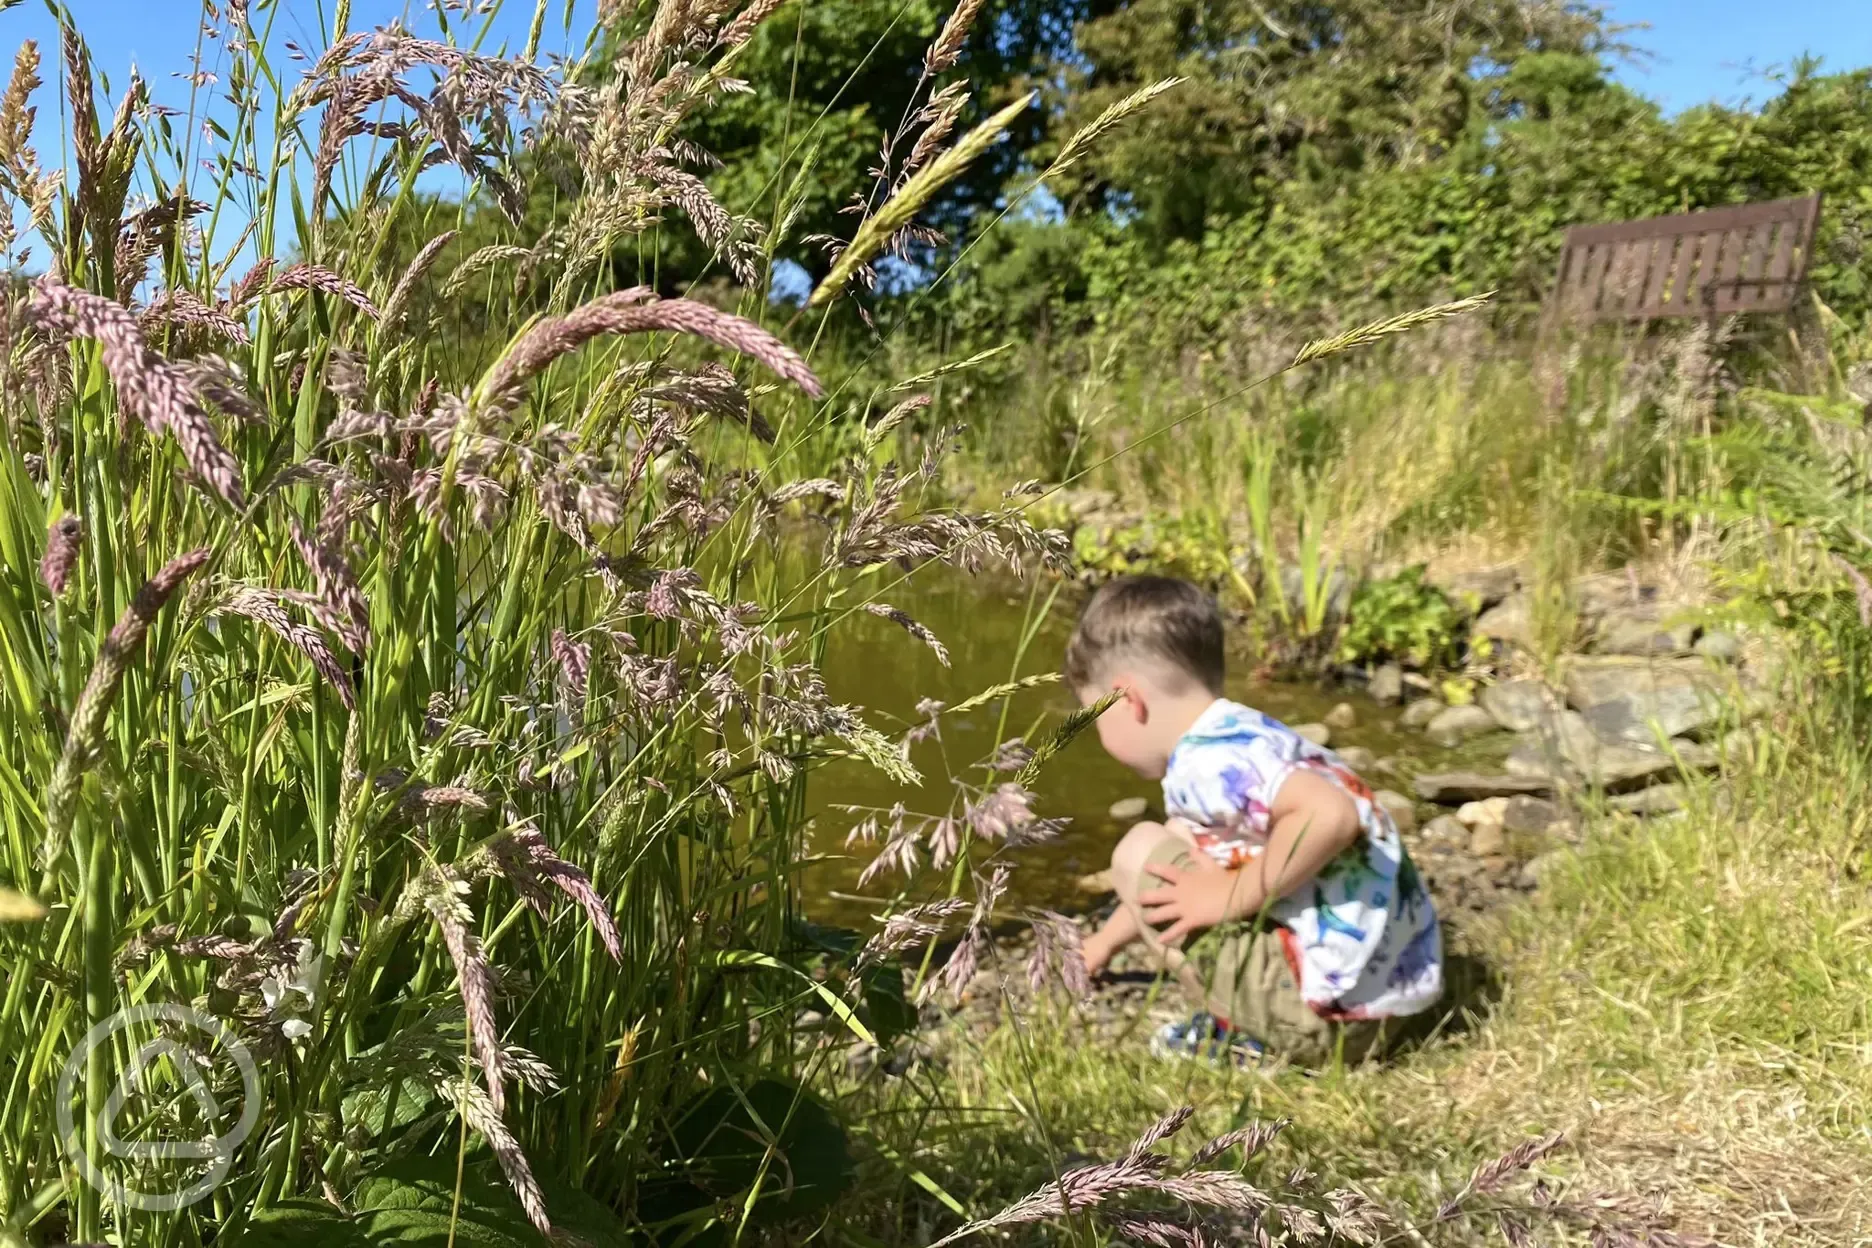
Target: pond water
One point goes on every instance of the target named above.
(996, 630)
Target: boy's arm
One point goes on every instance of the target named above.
(1311, 822)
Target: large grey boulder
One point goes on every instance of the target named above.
(1640, 632)
(1643, 717)
(1530, 761)
(1517, 705)
(1458, 724)
(1622, 768)
(1510, 621)
(1481, 588)
(1565, 741)
(1527, 814)
(1590, 679)
(1599, 594)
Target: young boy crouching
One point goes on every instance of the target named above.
(1310, 925)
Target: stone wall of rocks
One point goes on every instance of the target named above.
(1649, 701)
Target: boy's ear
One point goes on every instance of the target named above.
(1133, 698)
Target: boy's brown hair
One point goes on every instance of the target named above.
(1148, 617)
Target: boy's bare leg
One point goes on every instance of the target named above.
(1129, 879)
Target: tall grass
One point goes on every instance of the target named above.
(440, 723)
(1436, 447)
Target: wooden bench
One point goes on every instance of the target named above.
(1749, 258)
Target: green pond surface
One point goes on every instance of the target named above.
(997, 629)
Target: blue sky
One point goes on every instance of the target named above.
(1718, 49)
(1701, 49)
(1696, 50)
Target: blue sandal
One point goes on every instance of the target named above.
(1204, 1037)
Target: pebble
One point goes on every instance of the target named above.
(1659, 799)
(1538, 868)
(1318, 734)
(1486, 840)
(1446, 828)
(1483, 810)
(1359, 759)
(1341, 716)
(1421, 712)
(1721, 646)
(1097, 883)
(1387, 684)
(1129, 808)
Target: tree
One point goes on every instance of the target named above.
(1284, 90)
(833, 80)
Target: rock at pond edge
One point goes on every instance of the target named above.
(1448, 788)
(1387, 684)
(1659, 799)
(1359, 759)
(1517, 705)
(1129, 809)
(1458, 724)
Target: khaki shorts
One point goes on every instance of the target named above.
(1240, 974)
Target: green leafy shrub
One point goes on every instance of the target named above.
(1401, 617)
(1193, 546)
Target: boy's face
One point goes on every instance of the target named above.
(1126, 730)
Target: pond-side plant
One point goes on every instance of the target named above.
(1401, 617)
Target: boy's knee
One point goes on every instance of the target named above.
(1131, 853)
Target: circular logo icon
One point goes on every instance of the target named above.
(215, 1151)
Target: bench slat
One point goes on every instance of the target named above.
(1745, 258)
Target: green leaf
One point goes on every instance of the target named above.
(300, 1222)
(772, 1132)
(413, 1205)
(365, 1110)
(834, 1002)
(886, 1005)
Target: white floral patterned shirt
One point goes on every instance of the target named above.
(1362, 935)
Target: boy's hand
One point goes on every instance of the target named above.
(1192, 898)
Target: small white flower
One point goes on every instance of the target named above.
(306, 977)
(272, 992)
(295, 1029)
